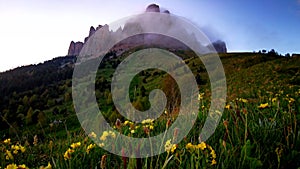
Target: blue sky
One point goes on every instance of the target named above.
(33, 31)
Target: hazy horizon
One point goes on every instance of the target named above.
(35, 31)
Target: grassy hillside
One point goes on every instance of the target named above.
(259, 127)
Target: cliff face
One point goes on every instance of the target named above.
(75, 48)
(220, 46)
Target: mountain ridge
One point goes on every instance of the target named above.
(76, 47)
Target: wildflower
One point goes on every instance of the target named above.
(200, 96)
(11, 166)
(112, 134)
(132, 131)
(151, 127)
(75, 145)
(147, 121)
(189, 146)
(9, 156)
(23, 166)
(104, 135)
(169, 146)
(93, 135)
(47, 167)
(118, 124)
(128, 122)
(213, 162)
(243, 100)
(202, 146)
(274, 99)
(6, 141)
(213, 154)
(228, 106)
(101, 144)
(22, 148)
(68, 153)
(91, 146)
(262, 106)
(291, 100)
(15, 149)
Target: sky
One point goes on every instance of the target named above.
(33, 31)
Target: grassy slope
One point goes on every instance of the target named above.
(255, 77)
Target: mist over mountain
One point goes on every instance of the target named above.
(76, 47)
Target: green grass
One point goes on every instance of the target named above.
(247, 136)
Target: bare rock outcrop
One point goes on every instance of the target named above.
(75, 48)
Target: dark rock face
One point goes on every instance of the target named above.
(153, 8)
(92, 31)
(75, 48)
(220, 46)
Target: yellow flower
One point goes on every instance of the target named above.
(9, 155)
(75, 145)
(23, 166)
(151, 127)
(127, 122)
(47, 167)
(22, 148)
(291, 100)
(189, 146)
(147, 121)
(6, 141)
(274, 99)
(101, 145)
(104, 135)
(93, 135)
(213, 162)
(227, 106)
(263, 105)
(169, 147)
(112, 134)
(15, 151)
(202, 146)
(213, 154)
(91, 146)
(15, 147)
(68, 153)
(11, 166)
(200, 96)
(243, 100)
(132, 131)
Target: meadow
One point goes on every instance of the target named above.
(259, 126)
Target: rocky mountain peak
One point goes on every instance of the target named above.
(153, 8)
(105, 33)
